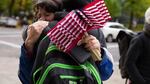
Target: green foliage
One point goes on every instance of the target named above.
(138, 28)
(114, 7)
(22, 5)
(135, 9)
(4, 6)
(138, 7)
(15, 6)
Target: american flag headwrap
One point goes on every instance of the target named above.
(68, 31)
(72, 27)
(97, 13)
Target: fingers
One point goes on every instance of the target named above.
(34, 31)
(36, 28)
(40, 24)
(86, 39)
(91, 42)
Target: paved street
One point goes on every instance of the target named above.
(10, 41)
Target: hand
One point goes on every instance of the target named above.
(91, 42)
(93, 45)
(33, 33)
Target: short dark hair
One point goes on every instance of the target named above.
(49, 5)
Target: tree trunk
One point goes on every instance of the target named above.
(131, 20)
(10, 8)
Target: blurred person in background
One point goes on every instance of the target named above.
(138, 61)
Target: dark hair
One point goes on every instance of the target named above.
(48, 7)
(74, 4)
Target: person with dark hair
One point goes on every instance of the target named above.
(44, 13)
(139, 55)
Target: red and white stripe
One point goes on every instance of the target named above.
(97, 12)
(71, 28)
(68, 31)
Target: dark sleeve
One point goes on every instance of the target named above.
(99, 35)
(24, 33)
(102, 38)
(133, 55)
(25, 66)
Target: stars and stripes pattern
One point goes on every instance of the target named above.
(97, 13)
(68, 31)
(72, 27)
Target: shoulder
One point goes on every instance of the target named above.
(137, 40)
(138, 36)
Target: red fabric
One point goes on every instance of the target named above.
(97, 12)
(71, 28)
(68, 31)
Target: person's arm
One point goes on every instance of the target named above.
(105, 66)
(26, 60)
(133, 55)
(25, 66)
(92, 44)
(33, 33)
(102, 38)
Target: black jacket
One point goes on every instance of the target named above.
(138, 61)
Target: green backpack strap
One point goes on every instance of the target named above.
(93, 71)
(52, 47)
(87, 65)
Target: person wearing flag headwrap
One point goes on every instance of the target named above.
(45, 12)
(139, 55)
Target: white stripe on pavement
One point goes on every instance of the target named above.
(9, 35)
(10, 44)
(3, 33)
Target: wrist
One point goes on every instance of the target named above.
(29, 45)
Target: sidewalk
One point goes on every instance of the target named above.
(9, 68)
(115, 78)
